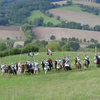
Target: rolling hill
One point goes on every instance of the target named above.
(46, 33)
(78, 17)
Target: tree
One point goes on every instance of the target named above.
(63, 39)
(8, 38)
(84, 40)
(52, 37)
(97, 28)
(95, 41)
(80, 40)
(69, 3)
(43, 42)
(85, 27)
(74, 45)
(88, 41)
(53, 47)
(62, 43)
(77, 40)
(69, 39)
(92, 40)
(3, 46)
(58, 17)
(66, 47)
(73, 39)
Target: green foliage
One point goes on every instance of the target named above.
(10, 44)
(49, 24)
(38, 14)
(84, 40)
(38, 21)
(92, 40)
(58, 17)
(97, 28)
(64, 39)
(61, 43)
(73, 39)
(53, 47)
(30, 47)
(85, 27)
(28, 33)
(66, 47)
(4, 21)
(90, 9)
(40, 44)
(8, 38)
(52, 37)
(74, 45)
(69, 3)
(17, 11)
(2, 46)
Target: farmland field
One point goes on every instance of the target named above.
(79, 17)
(75, 8)
(45, 33)
(72, 85)
(38, 14)
(80, 2)
(11, 32)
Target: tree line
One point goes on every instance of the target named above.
(63, 24)
(89, 9)
(15, 11)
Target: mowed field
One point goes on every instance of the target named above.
(38, 14)
(46, 33)
(72, 85)
(78, 17)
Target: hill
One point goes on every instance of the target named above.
(38, 14)
(78, 17)
(72, 85)
(46, 33)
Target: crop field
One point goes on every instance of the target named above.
(75, 8)
(11, 32)
(45, 33)
(72, 85)
(38, 14)
(79, 17)
(79, 2)
(87, 3)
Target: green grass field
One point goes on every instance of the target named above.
(75, 8)
(10, 40)
(72, 85)
(38, 14)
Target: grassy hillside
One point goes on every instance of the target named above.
(38, 14)
(72, 85)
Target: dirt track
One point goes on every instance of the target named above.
(78, 17)
(46, 33)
